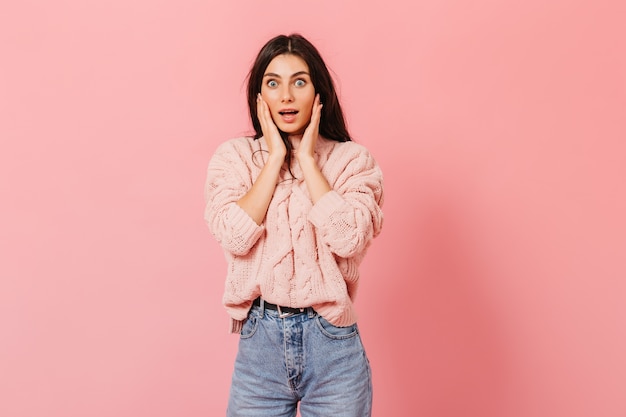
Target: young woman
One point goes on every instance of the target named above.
(295, 207)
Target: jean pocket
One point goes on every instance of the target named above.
(249, 327)
(335, 332)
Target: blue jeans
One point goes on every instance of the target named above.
(302, 359)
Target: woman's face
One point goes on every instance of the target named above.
(288, 91)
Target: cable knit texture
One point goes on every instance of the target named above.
(304, 254)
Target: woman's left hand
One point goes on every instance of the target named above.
(305, 154)
(311, 133)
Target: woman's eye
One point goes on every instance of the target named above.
(272, 84)
(300, 83)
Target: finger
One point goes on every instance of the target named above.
(318, 107)
(267, 115)
(317, 112)
(260, 111)
(265, 118)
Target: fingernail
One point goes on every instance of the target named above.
(258, 97)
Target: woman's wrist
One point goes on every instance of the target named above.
(305, 158)
(276, 157)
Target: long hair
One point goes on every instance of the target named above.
(332, 122)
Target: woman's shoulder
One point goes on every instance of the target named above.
(347, 146)
(239, 145)
(351, 150)
(245, 141)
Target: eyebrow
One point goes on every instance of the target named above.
(297, 74)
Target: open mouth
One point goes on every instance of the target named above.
(288, 115)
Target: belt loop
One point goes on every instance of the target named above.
(262, 306)
(311, 312)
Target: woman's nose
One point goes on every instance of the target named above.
(286, 95)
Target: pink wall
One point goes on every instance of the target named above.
(496, 288)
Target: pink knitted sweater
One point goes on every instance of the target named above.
(304, 254)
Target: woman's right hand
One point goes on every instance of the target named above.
(258, 198)
(275, 143)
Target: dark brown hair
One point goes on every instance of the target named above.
(332, 122)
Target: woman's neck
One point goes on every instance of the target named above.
(295, 141)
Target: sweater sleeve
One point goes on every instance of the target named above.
(350, 216)
(231, 226)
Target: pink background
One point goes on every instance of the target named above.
(496, 289)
